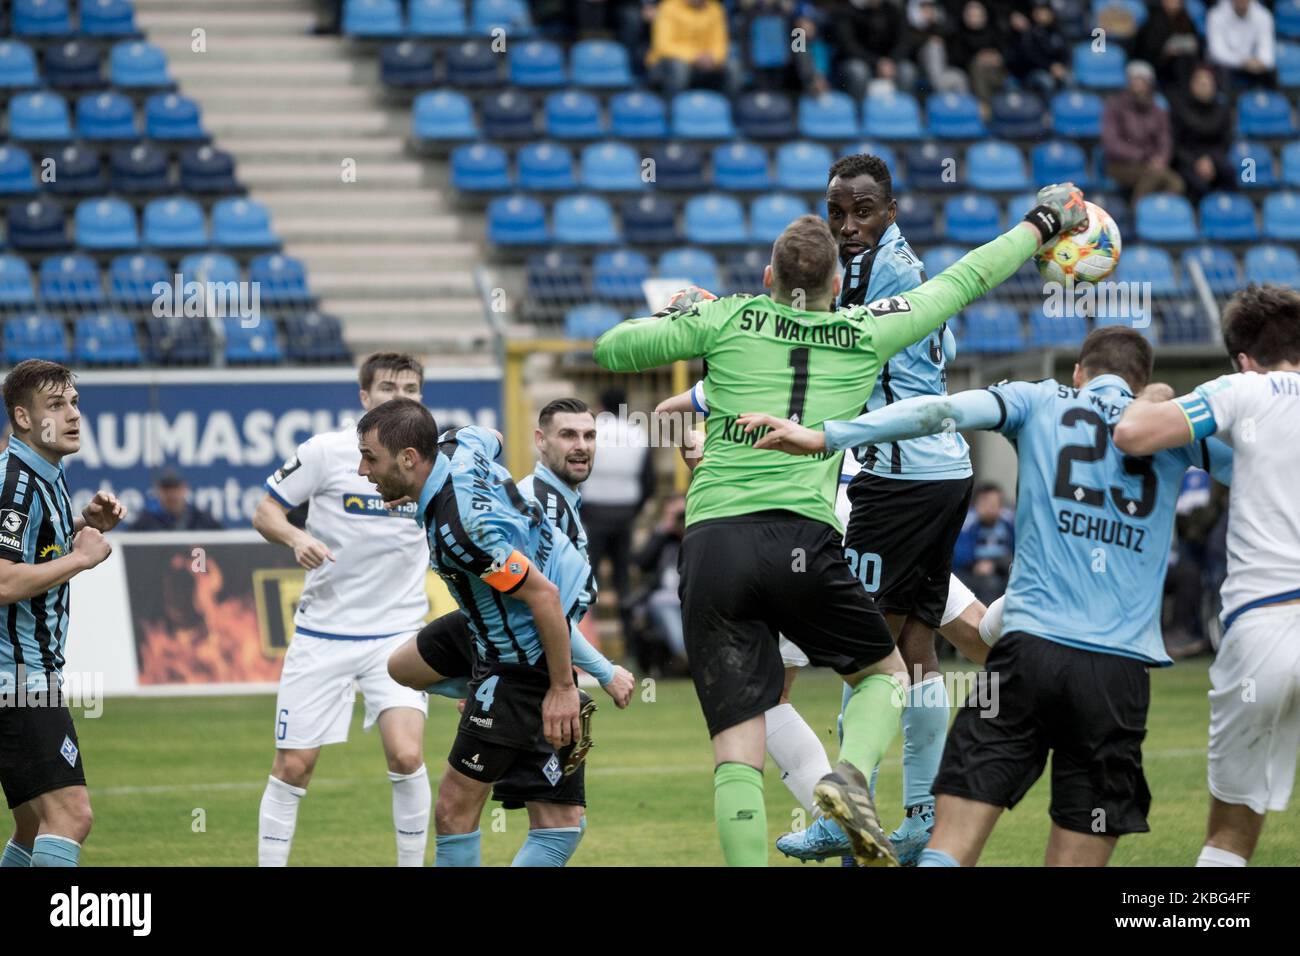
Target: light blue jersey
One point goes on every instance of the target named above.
(892, 268)
(485, 538)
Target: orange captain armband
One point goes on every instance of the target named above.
(509, 575)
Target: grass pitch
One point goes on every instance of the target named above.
(177, 782)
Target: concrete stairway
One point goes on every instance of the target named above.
(385, 252)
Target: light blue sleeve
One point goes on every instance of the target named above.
(588, 658)
(1220, 461)
(1016, 400)
(924, 415)
(479, 438)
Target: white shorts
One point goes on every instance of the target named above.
(319, 683)
(1255, 709)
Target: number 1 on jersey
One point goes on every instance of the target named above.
(799, 384)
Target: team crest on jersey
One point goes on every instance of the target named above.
(12, 525)
(290, 465)
(892, 305)
(68, 751)
(552, 771)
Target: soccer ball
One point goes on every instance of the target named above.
(1088, 253)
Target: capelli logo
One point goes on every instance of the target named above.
(74, 909)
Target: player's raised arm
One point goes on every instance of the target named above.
(680, 330)
(1155, 420)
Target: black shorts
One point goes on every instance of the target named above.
(39, 751)
(1088, 708)
(746, 579)
(900, 538)
(447, 645)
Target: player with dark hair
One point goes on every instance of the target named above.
(1253, 739)
(42, 548)
(1082, 615)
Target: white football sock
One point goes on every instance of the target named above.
(797, 752)
(1213, 856)
(960, 597)
(277, 821)
(991, 622)
(412, 798)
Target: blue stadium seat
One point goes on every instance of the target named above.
(892, 116)
(745, 270)
(208, 170)
(1286, 18)
(72, 65)
(831, 115)
(916, 219)
(39, 116)
(638, 115)
(1274, 264)
(36, 224)
(281, 279)
(765, 115)
(16, 289)
(1222, 273)
(1288, 65)
(443, 115)
(241, 223)
(702, 114)
(537, 63)
(175, 222)
(600, 64)
(437, 18)
(1101, 69)
(584, 220)
(177, 341)
(546, 166)
(714, 219)
(1184, 323)
(1059, 161)
(17, 65)
(1076, 113)
(35, 336)
(617, 274)
(473, 64)
(573, 114)
(1016, 207)
(1257, 159)
(1017, 115)
(1282, 216)
(80, 172)
(932, 167)
(554, 278)
(106, 116)
(1065, 331)
(1264, 113)
(41, 18)
(16, 176)
(516, 221)
(740, 166)
(695, 266)
(679, 167)
(206, 267)
(509, 15)
(1150, 265)
(408, 65)
(314, 338)
(995, 165)
(802, 166)
(971, 219)
(131, 279)
(70, 282)
(106, 224)
(989, 327)
(171, 116)
(938, 258)
(1228, 217)
(107, 18)
(1164, 217)
(649, 220)
(769, 42)
(480, 167)
(611, 166)
(770, 214)
(256, 345)
(105, 339)
(138, 65)
(954, 116)
(509, 115)
(590, 321)
(372, 18)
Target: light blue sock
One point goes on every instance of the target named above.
(457, 688)
(16, 855)
(925, 728)
(457, 849)
(50, 850)
(548, 847)
(935, 858)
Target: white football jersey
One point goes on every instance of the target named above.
(375, 585)
(1259, 416)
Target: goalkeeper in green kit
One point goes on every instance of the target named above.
(762, 554)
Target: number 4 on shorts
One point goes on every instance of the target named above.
(487, 693)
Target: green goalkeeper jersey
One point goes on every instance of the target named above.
(812, 367)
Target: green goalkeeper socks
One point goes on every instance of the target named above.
(871, 718)
(741, 814)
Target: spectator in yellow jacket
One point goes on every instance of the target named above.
(688, 47)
